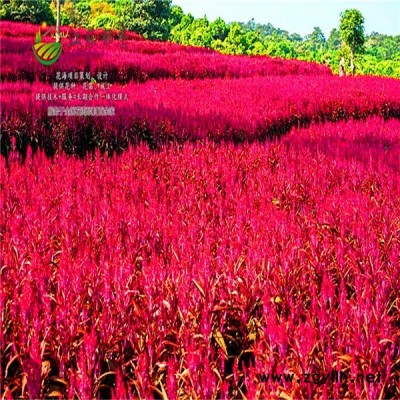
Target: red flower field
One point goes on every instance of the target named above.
(232, 231)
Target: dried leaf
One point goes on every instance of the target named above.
(58, 380)
(275, 201)
(346, 357)
(199, 288)
(218, 374)
(164, 394)
(101, 377)
(46, 367)
(167, 305)
(276, 300)
(55, 393)
(9, 364)
(285, 396)
(220, 340)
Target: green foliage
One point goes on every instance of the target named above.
(235, 42)
(74, 13)
(106, 21)
(124, 10)
(200, 32)
(82, 10)
(333, 42)
(258, 49)
(372, 66)
(267, 30)
(295, 37)
(219, 29)
(383, 47)
(316, 40)
(352, 29)
(146, 17)
(352, 33)
(283, 49)
(35, 12)
(175, 16)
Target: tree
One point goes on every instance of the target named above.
(219, 29)
(102, 15)
(334, 40)
(124, 12)
(295, 37)
(75, 13)
(175, 16)
(146, 17)
(352, 33)
(35, 12)
(82, 9)
(317, 39)
(99, 8)
(198, 33)
(283, 49)
(181, 33)
(235, 42)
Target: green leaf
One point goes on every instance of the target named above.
(38, 37)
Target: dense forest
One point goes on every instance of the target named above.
(160, 19)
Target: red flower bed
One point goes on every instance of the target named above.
(196, 269)
(219, 109)
(213, 263)
(128, 59)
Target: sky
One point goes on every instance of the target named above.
(299, 16)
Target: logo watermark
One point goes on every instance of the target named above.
(321, 379)
(46, 53)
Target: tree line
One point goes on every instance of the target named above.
(161, 20)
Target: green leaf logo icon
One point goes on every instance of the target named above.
(46, 53)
